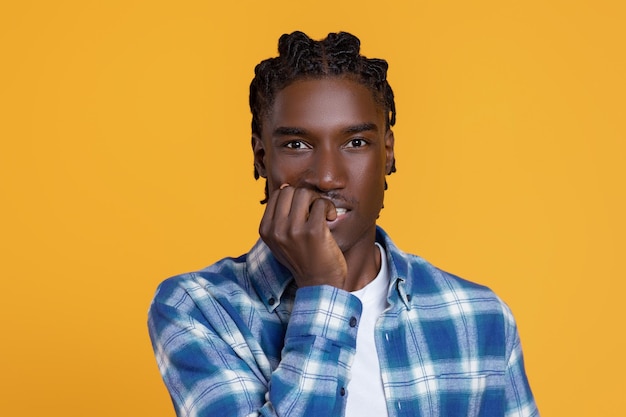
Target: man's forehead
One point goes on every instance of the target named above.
(336, 101)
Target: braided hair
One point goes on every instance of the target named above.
(301, 57)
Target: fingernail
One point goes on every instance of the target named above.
(284, 186)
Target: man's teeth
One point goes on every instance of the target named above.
(341, 211)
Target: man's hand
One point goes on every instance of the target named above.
(294, 227)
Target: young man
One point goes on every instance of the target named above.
(325, 316)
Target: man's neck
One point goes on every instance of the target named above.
(363, 266)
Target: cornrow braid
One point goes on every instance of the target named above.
(301, 57)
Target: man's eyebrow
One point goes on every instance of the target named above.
(363, 127)
(289, 131)
(298, 131)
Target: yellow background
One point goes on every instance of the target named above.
(125, 159)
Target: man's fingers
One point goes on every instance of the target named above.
(283, 204)
(292, 210)
(301, 206)
(322, 209)
(274, 203)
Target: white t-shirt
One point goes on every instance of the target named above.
(365, 389)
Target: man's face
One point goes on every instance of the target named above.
(329, 135)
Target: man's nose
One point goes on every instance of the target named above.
(327, 171)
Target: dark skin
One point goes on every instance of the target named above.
(325, 151)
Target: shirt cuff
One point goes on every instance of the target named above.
(327, 312)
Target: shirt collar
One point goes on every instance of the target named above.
(398, 264)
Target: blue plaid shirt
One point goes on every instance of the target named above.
(239, 339)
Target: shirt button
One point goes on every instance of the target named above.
(271, 301)
(342, 391)
(352, 321)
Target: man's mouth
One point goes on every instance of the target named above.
(341, 211)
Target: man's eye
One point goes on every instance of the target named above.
(295, 144)
(356, 143)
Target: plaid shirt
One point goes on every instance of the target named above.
(239, 339)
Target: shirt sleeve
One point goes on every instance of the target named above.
(212, 365)
(319, 348)
(519, 398)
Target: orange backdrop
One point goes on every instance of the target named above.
(125, 159)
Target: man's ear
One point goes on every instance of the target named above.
(390, 158)
(258, 149)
